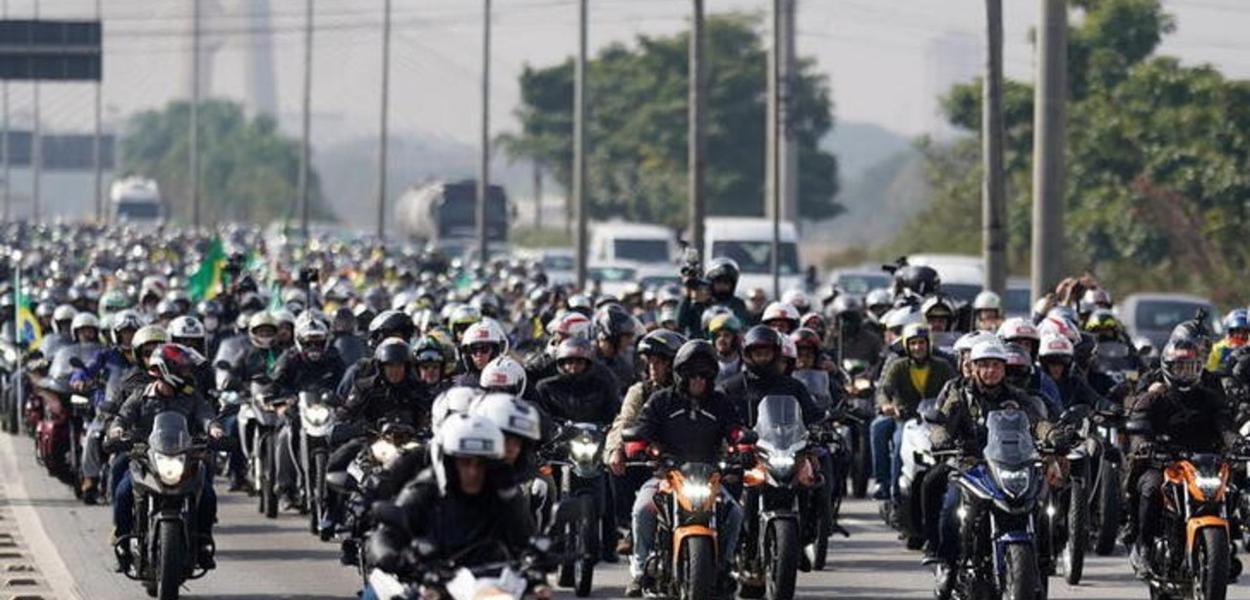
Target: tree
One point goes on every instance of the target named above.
(248, 170)
(636, 126)
(1156, 156)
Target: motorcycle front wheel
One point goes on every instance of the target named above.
(783, 559)
(170, 562)
(1106, 506)
(1021, 579)
(1078, 533)
(697, 577)
(1211, 578)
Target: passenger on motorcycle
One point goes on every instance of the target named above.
(692, 422)
(1056, 358)
(173, 369)
(987, 311)
(725, 333)
(904, 384)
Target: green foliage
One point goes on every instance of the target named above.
(1156, 177)
(637, 119)
(248, 170)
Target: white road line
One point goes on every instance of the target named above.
(44, 553)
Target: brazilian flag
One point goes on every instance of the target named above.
(29, 334)
(206, 282)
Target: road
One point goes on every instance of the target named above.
(261, 559)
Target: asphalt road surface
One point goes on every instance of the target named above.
(262, 559)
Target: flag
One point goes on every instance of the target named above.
(29, 334)
(206, 281)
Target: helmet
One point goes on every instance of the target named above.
(711, 313)
(1102, 320)
(1017, 328)
(1094, 299)
(486, 303)
(455, 400)
(988, 350)
(570, 324)
(463, 435)
(392, 351)
(505, 374)
(814, 321)
(1237, 319)
(914, 331)
(987, 300)
(121, 321)
(780, 311)
(1018, 357)
(727, 322)
(167, 309)
(581, 303)
(722, 268)
(1061, 326)
(667, 315)
(661, 342)
(1182, 362)
(486, 331)
(805, 338)
(758, 337)
(899, 318)
(83, 320)
(391, 323)
(937, 307)
(149, 334)
(612, 322)
(797, 299)
(878, 298)
(511, 414)
(263, 318)
(696, 357)
(919, 279)
(62, 314)
(574, 348)
(968, 340)
(845, 303)
(428, 350)
(462, 317)
(113, 301)
(1055, 346)
(186, 328)
(311, 338)
(173, 364)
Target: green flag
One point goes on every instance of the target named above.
(206, 282)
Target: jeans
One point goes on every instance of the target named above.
(124, 507)
(92, 453)
(887, 437)
(286, 453)
(948, 537)
(237, 465)
(645, 520)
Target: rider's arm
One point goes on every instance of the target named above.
(630, 409)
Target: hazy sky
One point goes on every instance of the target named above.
(880, 55)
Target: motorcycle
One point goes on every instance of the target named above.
(10, 413)
(776, 486)
(1106, 468)
(860, 390)
(916, 451)
(168, 471)
(316, 415)
(58, 437)
(829, 444)
(683, 562)
(1065, 505)
(998, 504)
(1193, 556)
(259, 421)
(578, 452)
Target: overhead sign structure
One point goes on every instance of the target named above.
(50, 50)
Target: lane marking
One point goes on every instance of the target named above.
(42, 550)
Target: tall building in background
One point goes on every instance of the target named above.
(953, 57)
(260, 92)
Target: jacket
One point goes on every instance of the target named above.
(631, 408)
(140, 410)
(896, 386)
(293, 373)
(374, 399)
(1195, 419)
(688, 429)
(964, 408)
(589, 397)
(746, 389)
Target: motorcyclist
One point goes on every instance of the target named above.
(987, 311)
(350, 346)
(542, 365)
(456, 506)
(903, 385)
(430, 358)
(615, 333)
(504, 375)
(389, 324)
(481, 343)
(262, 332)
(172, 368)
(782, 317)
(725, 333)
(312, 364)
(1190, 416)
(761, 351)
(1022, 332)
(1236, 335)
(1057, 359)
(721, 277)
(690, 421)
(521, 423)
(853, 337)
(584, 391)
(111, 364)
(189, 331)
(62, 319)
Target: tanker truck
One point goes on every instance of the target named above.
(445, 214)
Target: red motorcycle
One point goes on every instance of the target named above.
(59, 435)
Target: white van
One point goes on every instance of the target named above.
(615, 242)
(749, 242)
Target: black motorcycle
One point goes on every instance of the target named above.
(578, 453)
(316, 414)
(168, 472)
(856, 418)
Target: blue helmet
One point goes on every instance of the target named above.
(1238, 318)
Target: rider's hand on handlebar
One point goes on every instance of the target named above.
(616, 463)
(115, 433)
(216, 431)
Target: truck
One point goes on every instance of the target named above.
(445, 214)
(135, 199)
(749, 242)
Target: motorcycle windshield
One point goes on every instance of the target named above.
(169, 433)
(780, 422)
(61, 368)
(232, 350)
(817, 383)
(1010, 441)
(1114, 356)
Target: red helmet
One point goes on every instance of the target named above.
(174, 364)
(805, 338)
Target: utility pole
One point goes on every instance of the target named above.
(4, 143)
(36, 149)
(386, 94)
(993, 191)
(96, 162)
(303, 184)
(776, 123)
(483, 168)
(1048, 144)
(579, 148)
(696, 142)
(195, 113)
(538, 195)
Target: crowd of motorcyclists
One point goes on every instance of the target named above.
(439, 418)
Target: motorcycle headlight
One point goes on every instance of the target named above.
(1014, 481)
(317, 414)
(781, 464)
(583, 451)
(1209, 485)
(384, 452)
(697, 492)
(10, 354)
(862, 384)
(169, 469)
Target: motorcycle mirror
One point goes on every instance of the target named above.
(631, 434)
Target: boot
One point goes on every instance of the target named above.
(943, 581)
(625, 545)
(206, 558)
(90, 491)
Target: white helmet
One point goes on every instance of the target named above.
(456, 400)
(285, 317)
(512, 415)
(121, 320)
(797, 299)
(1055, 345)
(780, 311)
(570, 324)
(464, 435)
(262, 318)
(1059, 326)
(1016, 328)
(988, 350)
(83, 320)
(970, 339)
(903, 316)
(503, 373)
(987, 300)
(186, 327)
(64, 312)
(311, 338)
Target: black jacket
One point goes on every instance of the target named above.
(373, 399)
(589, 397)
(1195, 419)
(140, 409)
(294, 373)
(690, 430)
(746, 389)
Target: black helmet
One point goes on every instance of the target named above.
(428, 350)
(722, 268)
(1182, 362)
(761, 336)
(919, 279)
(612, 321)
(391, 323)
(661, 342)
(392, 351)
(695, 357)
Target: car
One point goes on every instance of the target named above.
(616, 241)
(858, 281)
(613, 280)
(557, 262)
(1152, 315)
